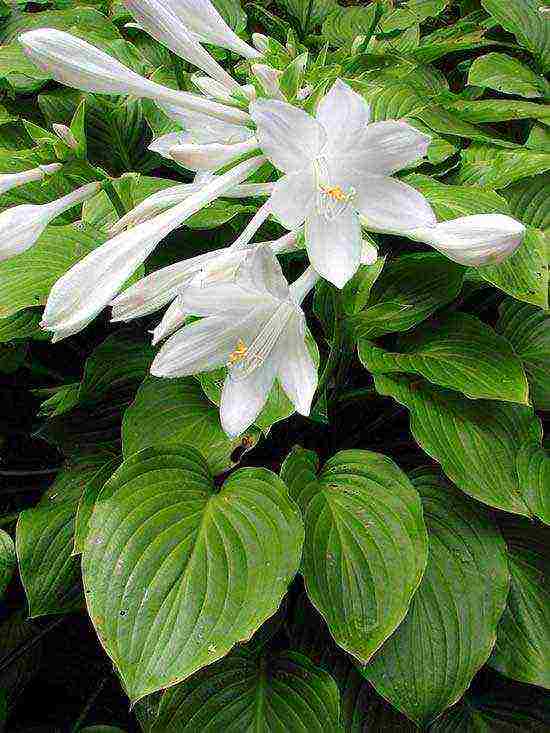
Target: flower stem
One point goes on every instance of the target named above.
(335, 347)
(114, 198)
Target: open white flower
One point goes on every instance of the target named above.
(13, 180)
(254, 326)
(76, 63)
(20, 226)
(337, 168)
(82, 292)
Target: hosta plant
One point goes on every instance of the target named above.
(275, 352)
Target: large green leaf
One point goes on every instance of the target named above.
(408, 291)
(524, 19)
(505, 74)
(450, 628)
(523, 640)
(528, 330)
(451, 202)
(528, 200)
(482, 165)
(22, 325)
(412, 12)
(172, 563)
(344, 25)
(44, 541)
(250, 693)
(26, 280)
(175, 412)
(476, 442)
(457, 351)
(365, 545)
(500, 110)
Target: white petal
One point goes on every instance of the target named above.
(243, 400)
(172, 320)
(76, 63)
(389, 146)
(212, 88)
(261, 42)
(202, 128)
(12, 180)
(293, 197)
(160, 287)
(334, 246)
(163, 144)
(297, 371)
(260, 271)
(482, 239)
(389, 205)
(160, 21)
(288, 136)
(66, 134)
(218, 299)
(206, 344)
(154, 205)
(269, 79)
(212, 155)
(201, 17)
(369, 254)
(344, 115)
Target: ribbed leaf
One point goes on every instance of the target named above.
(505, 74)
(450, 628)
(245, 693)
(22, 325)
(408, 291)
(344, 25)
(171, 563)
(26, 280)
(499, 110)
(451, 202)
(175, 412)
(525, 21)
(365, 546)
(87, 502)
(528, 200)
(528, 330)
(412, 12)
(476, 442)
(44, 541)
(457, 351)
(484, 166)
(521, 651)
(7, 560)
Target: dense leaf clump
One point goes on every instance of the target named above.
(381, 564)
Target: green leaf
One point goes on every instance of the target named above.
(408, 291)
(524, 275)
(450, 629)
(172, 563)
(88, 500)
(528, 201)
(412, 12)
(498, 110)
(26, 280)
(44, 541)
(476, 442)
(344, 25)
(365, 547)
(525, 21)
(505, 74)
(528, 330)
(16, 632)
(176, 412)
(457, 351)
(246, 693)
(7, 561)
(22, 325)
(523, 640)
(320, 9)
(484, 166)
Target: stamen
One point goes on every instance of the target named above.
(332, 201)
(239, 354)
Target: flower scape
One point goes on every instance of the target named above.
(260, 603)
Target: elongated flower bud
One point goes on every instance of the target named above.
(215, 90)
(202, 18)
(481, 239)
(261, 42)
(211, 156)
(21, 225)
(76, 63)
(174, 317)
(12, 180)
(159, 20)
(78, 296)
(269, 79)
(66, 134)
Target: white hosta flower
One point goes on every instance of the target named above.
(212, 88)
(202, 18)
(21, 225)
(82, 292)
(76, 63)
(481, 239)
(210, 156)
(66, 134)
(13, 180)
(163, 144)
(337, 168)
(256, 328)
(261, 42)
(158, 18)
(174, 317)
(269, 79)
(203, 128)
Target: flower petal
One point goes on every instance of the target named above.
(260, 271)
(243, 400)
(288, 136)
(163, 144)
(210, 156)
(173, 318)
(389, 205)
(389, 146)
(202, 128)
(219, 299)
(344, 115)
(482, 239)
(293, 197)
(334, 246)
(297, 371)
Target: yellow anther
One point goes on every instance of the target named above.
(239, 353)
(335, 192)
